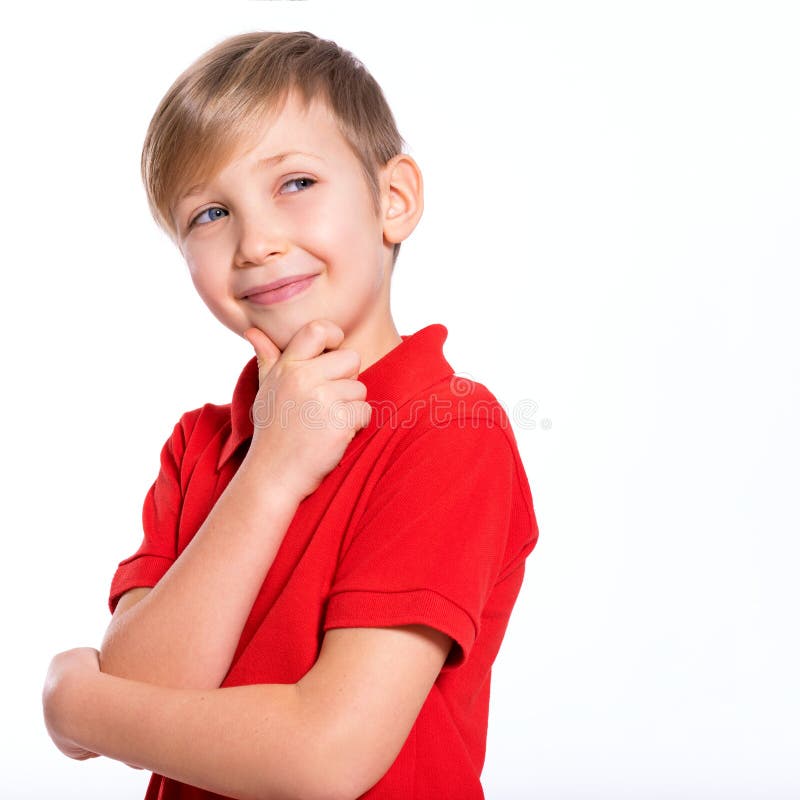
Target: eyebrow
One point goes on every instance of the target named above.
(264, 163)
(273, 160)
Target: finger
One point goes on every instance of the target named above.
(363, 413)
(338, 364)
(355, 414)
(347, 389)
(267, 353)
(313, 339)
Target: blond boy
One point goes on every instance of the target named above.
(329, 562)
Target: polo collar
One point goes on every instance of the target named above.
(408, 368)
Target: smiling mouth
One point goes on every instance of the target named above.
(280, 283)
(264, 296)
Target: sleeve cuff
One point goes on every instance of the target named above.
(146, 570)
(370, 609)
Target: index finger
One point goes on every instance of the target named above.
(312, 339)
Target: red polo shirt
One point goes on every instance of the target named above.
(427, 520)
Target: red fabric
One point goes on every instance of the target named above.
(428, 520)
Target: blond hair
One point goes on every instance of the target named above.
(222, 98)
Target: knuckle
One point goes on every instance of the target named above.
(317, 327)
(354, 358)
(290, 380)
(278, 370)
(339, 414)
(317, 394)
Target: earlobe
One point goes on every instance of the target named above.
(402, 200)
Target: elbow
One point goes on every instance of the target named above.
(338, 770)
(120, 656)
(113, 651)
(114, 660)
(106, 656)
(318, 780)
(334, 756)
(327, 788)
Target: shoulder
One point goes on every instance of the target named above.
(201, 422)
(453, 412)
(454, 425)
(200, 427)
(457, 431)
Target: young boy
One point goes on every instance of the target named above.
(330, 561)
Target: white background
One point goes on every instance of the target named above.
(610, 232)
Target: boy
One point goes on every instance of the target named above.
(329, 562)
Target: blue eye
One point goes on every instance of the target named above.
(214, 213)
(299, 181)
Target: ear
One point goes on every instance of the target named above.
(401, 197)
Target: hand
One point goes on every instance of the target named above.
(309, 404)
(67, 672)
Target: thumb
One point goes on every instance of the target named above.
(266, 351)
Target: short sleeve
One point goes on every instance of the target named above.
(431, 542)
(160, 519)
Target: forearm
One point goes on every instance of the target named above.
(184, 632)
(255, 741)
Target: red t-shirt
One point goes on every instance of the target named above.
(427, 520)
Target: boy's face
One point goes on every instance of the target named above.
(267, 216)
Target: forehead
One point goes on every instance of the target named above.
(313, 117)
(293, 129)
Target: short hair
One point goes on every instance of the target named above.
(222, 97)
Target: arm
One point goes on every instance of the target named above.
(204, 598)
(333, 734)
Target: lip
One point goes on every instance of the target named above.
(268, 287)
(279, 290)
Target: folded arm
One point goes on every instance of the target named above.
(333, 734)
(205, 597)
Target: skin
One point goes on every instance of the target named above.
(143, 701)
(251, 227)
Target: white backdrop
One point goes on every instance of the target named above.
(610, 236)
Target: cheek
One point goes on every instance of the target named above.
(317, 226)
(195, 272)
(335, 226)
(206, 281)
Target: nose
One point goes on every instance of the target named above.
(258, 241)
